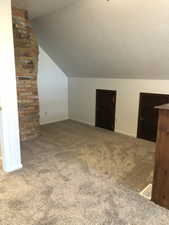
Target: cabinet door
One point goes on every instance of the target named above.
(105, 109)
(148, 115)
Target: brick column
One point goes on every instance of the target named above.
(26, 60)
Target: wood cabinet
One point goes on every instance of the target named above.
(160, 193)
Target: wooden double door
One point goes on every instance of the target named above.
(148, 115)
(105, 109)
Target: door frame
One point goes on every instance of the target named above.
(139, 111)
(108, 91)
(9, 122)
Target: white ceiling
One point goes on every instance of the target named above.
(117, 38)
(38, 8)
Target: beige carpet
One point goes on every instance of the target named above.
(77, 175)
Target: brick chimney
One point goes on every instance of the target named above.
(26, 59)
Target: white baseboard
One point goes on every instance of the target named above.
(53, 121)
(12, 168)
(125, 133)
(83, 121)
(92, 124)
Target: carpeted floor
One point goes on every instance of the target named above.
(77, 175)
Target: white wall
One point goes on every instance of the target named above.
(9, 125)
(53, 90)
(82, 92)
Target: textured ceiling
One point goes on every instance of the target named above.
(38, 8)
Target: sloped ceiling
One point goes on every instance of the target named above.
(115, 38)
(39, 8)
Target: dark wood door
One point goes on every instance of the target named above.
(105, 109)
(148, 115)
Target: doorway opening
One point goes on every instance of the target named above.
(148, 115)
(105, 109)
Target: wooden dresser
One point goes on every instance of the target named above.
(160, 193)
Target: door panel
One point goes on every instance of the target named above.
(105, 109)
(148, 115)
